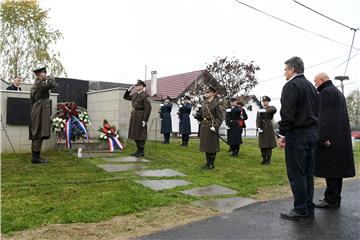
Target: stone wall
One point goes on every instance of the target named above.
(109, 104)
(19, 135)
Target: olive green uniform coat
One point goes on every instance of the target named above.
(141, 109)
(40, 108)
(264, 121)
(212, 116)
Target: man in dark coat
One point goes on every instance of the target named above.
(165, 117)
(266, 130)
(212, 118)
(298, 132)
(141, 109)
(15, 86)
(334, 158)
(233, 124)
(39, 128)
(184, 121)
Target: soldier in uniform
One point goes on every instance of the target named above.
(234, 129)
(165, 117)
(266, 130)
(184, 121)
(141, 109)
(40, 112)
(212, 118)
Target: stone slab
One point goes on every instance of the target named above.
(160, 173)
(120, 167)
(127, 159)
(209, 191)
(162, 184)
(226, 205)
(97, 154)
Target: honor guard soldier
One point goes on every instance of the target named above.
(265, 129)
(40, 112)
(233, 119)
(212, 118)
(165, 117)
(141, 109)
(184, 121)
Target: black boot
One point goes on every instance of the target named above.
(186, 143)
(207, 165)
(135, 153)
(236, 153)
(268, 159)
(140, 153)
(264, 160)
(36, 158)
(212, 161)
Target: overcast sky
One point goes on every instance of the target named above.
(113, 40)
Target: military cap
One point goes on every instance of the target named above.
(168, 98)
(39, 70)
(265, 98)
(187, 97)
(140, 82)
(210, 88)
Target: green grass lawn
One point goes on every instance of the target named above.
(68, 189)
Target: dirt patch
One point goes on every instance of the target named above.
(123, 227)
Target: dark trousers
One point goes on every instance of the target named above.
(140, 145)
(235, 148)
(166, 137)
(299, 165)
(266, 152)
(185, 138)
(333, 190)
(36, 145)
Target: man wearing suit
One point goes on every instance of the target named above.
(298, 133)
(165, 117)
(141, 109)
(184, 121)
(15, 86)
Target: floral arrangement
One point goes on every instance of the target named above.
(70, 122)
(111, 136)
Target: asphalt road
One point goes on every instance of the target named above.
(261, 221)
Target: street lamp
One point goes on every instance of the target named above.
(342, 78)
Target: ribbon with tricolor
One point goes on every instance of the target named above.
(68, 130)
(114, 141)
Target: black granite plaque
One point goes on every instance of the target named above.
(72, 90)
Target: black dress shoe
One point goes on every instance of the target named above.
(293, 215)
(325, 204)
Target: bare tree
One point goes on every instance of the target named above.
(353, 105)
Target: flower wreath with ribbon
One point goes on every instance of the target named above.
(70, 122)
(111, 136)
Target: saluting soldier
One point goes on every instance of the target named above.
(184, 121)
(233, 124)
(266, 130)
(141, 109)
(39, 128)
(165, 117)
(212, 118)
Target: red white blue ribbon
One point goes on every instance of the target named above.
(114, 141)
(81, 126)
(68, 133)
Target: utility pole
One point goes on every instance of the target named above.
(342, 78)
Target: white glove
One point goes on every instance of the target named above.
(260, 130)
(130, 88)
(143, 123)
(262, 110)
(212, 129)
(161, 105)
(180, 105)
(228, 110)
(199, 105)
(227, 127)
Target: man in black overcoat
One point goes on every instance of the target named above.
(15, 86)
(165, 117)
(334, 158)
(184, 121)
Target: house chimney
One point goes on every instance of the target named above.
(153, 83)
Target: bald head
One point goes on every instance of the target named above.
(320, 79)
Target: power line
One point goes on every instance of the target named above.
(345, 61)
(324, 15)
(314, 65)
(294, 25)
